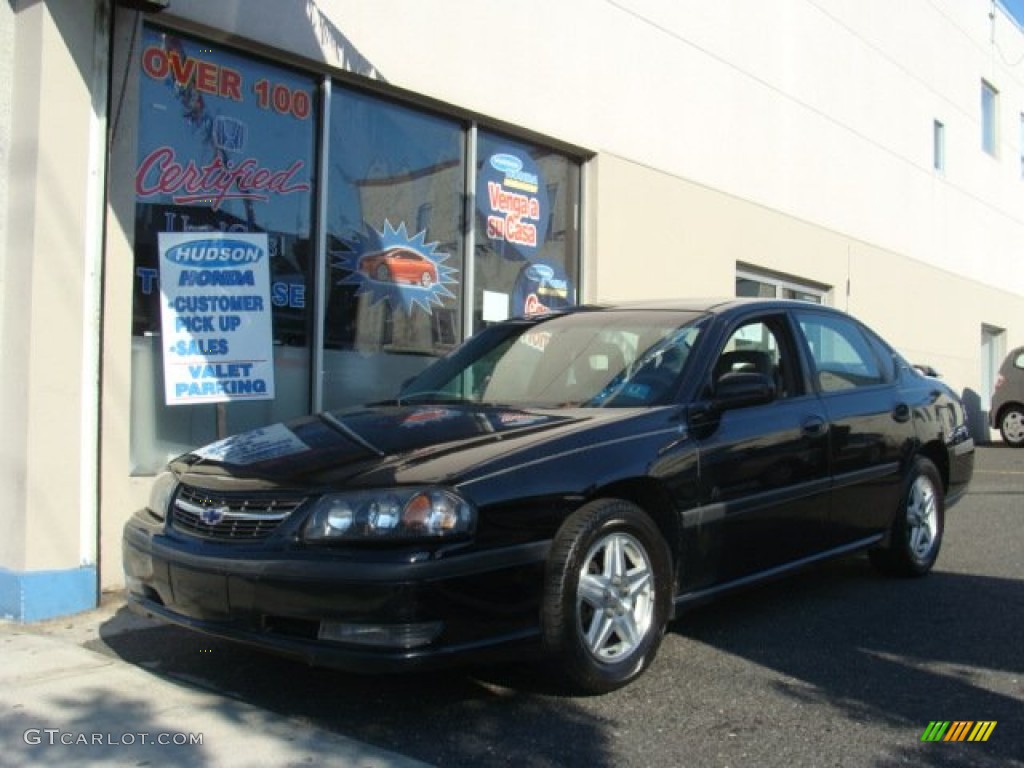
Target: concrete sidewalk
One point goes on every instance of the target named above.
(63, 704)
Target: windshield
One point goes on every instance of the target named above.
(585, 359)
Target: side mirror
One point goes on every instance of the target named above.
(741, 389)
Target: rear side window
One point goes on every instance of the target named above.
(890, 360)
(843, 357)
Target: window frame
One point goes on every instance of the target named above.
(783, 283)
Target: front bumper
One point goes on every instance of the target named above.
(477, 605)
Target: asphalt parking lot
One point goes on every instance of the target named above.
(834, 667)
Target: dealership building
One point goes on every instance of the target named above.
(218, 215)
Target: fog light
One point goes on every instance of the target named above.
(381, 635)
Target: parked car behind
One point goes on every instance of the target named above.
(566, 484)
(1007, 411)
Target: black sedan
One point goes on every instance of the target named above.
(565, 484)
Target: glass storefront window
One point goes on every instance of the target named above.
(527, 240)
(229, 144)
(396, 187)
(226, 145)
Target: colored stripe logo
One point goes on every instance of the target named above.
(958, 730)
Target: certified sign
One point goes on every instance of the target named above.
(215, 316)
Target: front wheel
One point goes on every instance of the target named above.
(916, 535)
(1011, 426)
(607, 595)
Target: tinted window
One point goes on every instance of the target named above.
(759, 346)
(889, 358)
(842, 357)
(589, 360)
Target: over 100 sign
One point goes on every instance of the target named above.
(216, 317)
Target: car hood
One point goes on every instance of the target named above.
(366, 445)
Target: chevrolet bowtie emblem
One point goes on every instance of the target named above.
(211, 515)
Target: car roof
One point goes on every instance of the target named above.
(713, 305)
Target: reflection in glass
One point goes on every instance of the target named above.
(396, 187)
(588, 360)
(527, 241)
(238, 157)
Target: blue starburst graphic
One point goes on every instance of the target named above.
(389, 265)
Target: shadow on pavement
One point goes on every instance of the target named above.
(895, 653)
(500, 715)
(28, 735)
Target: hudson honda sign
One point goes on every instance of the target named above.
(215, 317)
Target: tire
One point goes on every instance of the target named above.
(1011, 426)
(425, 280)
(917, 528)
(382, 274)
(607, 595)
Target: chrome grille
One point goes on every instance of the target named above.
(229, 517)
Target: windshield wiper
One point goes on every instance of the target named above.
(429, 396)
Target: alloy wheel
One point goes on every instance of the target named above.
(922, 518)
(616, 597)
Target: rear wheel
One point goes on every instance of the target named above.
(1011, 426)
(607, 595)
(916, 535)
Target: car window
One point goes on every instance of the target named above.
(580, 360)
(843, 358)
(890, 360)
(758, 346)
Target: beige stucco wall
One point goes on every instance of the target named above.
(655, 235)
(122, 493)
(47, 494)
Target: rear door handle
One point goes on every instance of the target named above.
(814, 426)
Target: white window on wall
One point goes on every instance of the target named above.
(757, 284)
(939, 146)
(989, 117)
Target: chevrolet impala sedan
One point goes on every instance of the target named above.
(562, 486)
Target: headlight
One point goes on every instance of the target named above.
(389, 515)
(160, 494)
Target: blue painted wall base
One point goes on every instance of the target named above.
(38, 595)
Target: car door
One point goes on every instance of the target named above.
(870, 426)
(763, 468)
